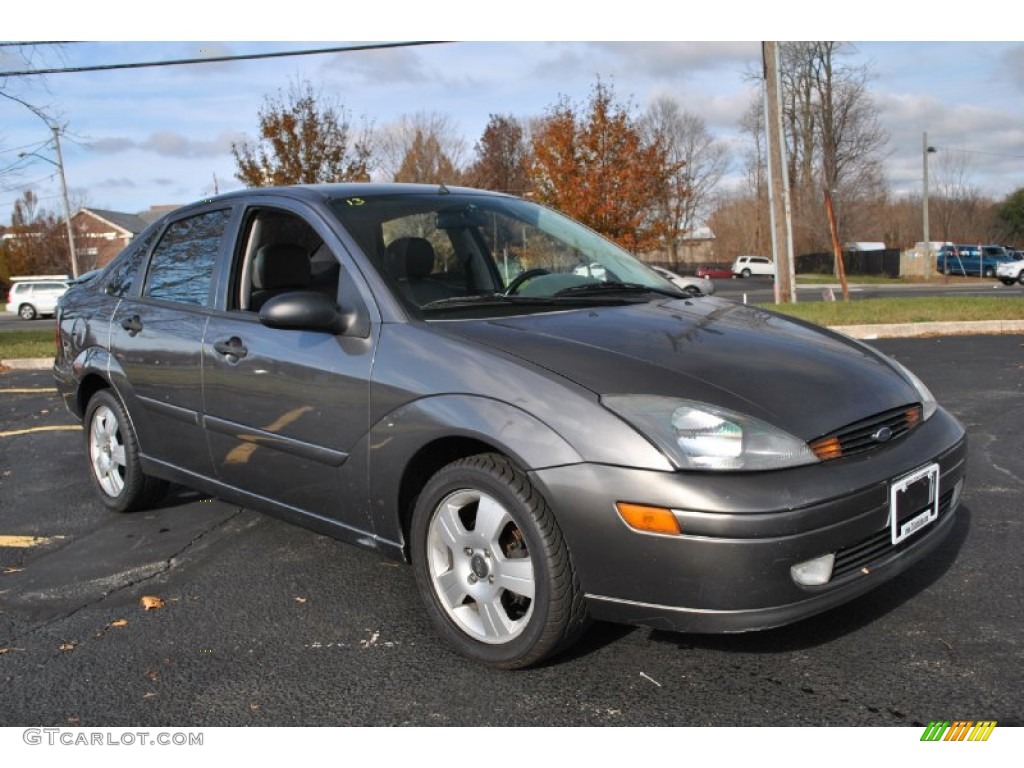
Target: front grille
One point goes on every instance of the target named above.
(864, 435)
(879, 545)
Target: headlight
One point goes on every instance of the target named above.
(700, 436)
(928, 404)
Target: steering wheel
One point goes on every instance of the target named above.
(522, 277)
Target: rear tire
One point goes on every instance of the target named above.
(27, 312)
(746, 273)
(114, 463)
(492, 567)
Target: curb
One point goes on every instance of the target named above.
(923, 330)
(28, 364)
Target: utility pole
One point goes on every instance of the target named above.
(55, 129)
(778, 179)
(67, 205)
(925, 151)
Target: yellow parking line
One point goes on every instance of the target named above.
(26, 391)
(24, 541)
(55, 428)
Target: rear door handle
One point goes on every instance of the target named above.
(132, 324)
(233, 347)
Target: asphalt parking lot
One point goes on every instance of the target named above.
(264, 623)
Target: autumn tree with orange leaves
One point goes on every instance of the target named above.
(304, 139)
(593, 163)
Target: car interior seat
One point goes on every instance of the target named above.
(410, 261)
(278, 268)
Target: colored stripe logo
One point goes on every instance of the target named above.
(958, 730)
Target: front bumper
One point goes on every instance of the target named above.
(729, 571)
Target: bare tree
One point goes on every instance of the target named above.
(700, 162)
(26, 56)
(423, 147)
(955, 204)
(834, 140)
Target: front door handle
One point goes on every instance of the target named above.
(233, 347)
(132, 324)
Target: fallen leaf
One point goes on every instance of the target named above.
(119, 623)
(9, 650)
(152, 674)
(150, 602)
(68, 646)
(254, 706)
(148, 695)
(73, 720)
(12, 570)
(300, 599)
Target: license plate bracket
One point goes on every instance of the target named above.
(913, 502)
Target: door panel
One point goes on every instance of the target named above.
(282, 416)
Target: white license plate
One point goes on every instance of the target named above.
(913, 502)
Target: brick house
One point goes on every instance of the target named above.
(101, 234)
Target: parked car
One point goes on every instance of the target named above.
(547, 450)
(707, 272)
(1011, 271)
(745, 266)
(971, 260)
(32, 297)
(691, 286)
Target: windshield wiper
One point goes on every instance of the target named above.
(589, 289)
(486, 299)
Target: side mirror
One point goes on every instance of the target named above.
(303, 310)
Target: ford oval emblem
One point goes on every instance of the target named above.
(883, 435)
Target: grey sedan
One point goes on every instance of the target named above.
(547, 429)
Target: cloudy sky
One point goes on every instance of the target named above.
(140, 137)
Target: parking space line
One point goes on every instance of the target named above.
(53, 428)
(23, 542)
(27, 391)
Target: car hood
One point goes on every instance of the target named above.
(804, 379)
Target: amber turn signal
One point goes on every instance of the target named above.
(827, 448)
(648, 519)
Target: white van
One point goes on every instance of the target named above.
(30, 297)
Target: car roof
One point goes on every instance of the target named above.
(320, 192)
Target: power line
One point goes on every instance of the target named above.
(40, 42)
(33, 147)
(27, 184)
(213, 59)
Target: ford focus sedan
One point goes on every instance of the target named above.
(545, 428)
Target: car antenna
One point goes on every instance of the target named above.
(442, 189)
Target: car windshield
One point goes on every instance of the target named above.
(455, 253)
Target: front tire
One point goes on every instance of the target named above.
(113, 451)
(492, 566)
(1007, 280)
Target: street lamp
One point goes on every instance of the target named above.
(64, 193)
(925, 151)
